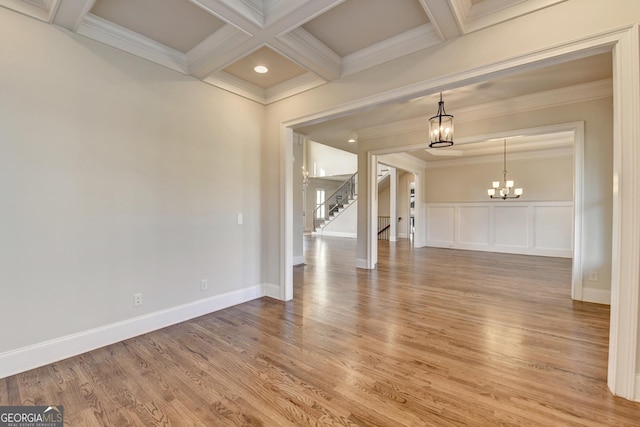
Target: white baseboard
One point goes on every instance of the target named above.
(44, 353)
(637, 389)
(598, 296)
(297, 260)
(362, 263)
(338, 234)
(270, 290)
(519, 250)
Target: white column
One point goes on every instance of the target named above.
(393, 204)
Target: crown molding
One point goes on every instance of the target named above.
(554, 98)
(70, 14)
(402, 161)
(274, 10)
(121, 38)
(238, 86)
(217, 51)
(487, 13)
(243, 14)
(255, 93)
(403, 44)
(292, 87)
(442, 17)
(563, 96)
(300, 46)
(42, 10)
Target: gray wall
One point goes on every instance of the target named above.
(117, 177)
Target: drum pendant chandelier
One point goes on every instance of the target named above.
(441, 128)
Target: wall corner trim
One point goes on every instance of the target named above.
(272, 291)
(362, 263)
(598, 296)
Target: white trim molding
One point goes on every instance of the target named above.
(335, 234)
(362, 263)
(598, 296)
(625, 265)
(270, 290)
(44, 353)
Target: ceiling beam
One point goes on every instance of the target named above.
(71, 13)
(443, 18)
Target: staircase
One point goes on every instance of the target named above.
(335, 204)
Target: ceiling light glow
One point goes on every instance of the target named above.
(261, 69)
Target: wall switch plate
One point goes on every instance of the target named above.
(137, 299)
(204, 284)
(240, 219)
(594, 276)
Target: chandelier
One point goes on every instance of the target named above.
(441, 128)
(504, 190)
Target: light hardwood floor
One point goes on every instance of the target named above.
(432, 337)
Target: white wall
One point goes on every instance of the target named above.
(323, 160)
(344, 224)
(117, 176)
(384, 197)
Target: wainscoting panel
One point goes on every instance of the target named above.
(511, 224)
(441, 229)
(531, 228)
(473, 226)
(552, 224)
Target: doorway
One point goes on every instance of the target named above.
(624, 42)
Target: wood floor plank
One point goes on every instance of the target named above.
(432, 337)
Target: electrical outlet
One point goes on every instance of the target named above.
(204, 284)
(137, 299)
(594, 276)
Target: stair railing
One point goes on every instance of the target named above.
(332, 204)
(384, 226)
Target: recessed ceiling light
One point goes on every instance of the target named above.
(261, 69)
(351, 140)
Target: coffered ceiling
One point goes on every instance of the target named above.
(307, 43)
(303, 43)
